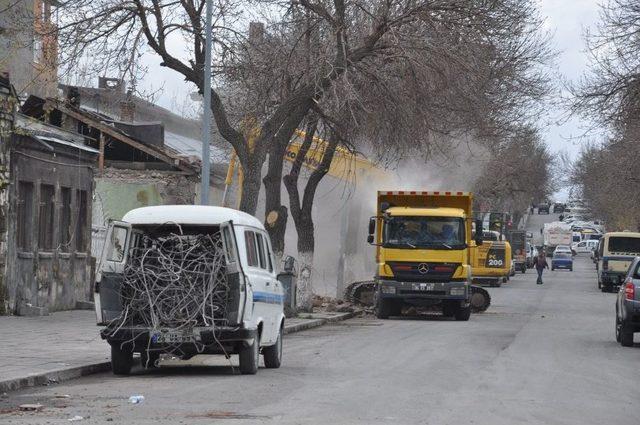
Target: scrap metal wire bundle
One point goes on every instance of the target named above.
(174, 282)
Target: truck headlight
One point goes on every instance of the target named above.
(457, 291)
(388, 289)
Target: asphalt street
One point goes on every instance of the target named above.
(541, 354)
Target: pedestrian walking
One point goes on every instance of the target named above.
(540, 263)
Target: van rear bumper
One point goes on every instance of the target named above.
(206, 340)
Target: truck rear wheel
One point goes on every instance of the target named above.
(121, 359)
(463, 313)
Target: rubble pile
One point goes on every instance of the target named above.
(174, 282)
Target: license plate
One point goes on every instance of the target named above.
(172, 337)
(424, 286)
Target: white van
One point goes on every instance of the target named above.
(616, 251)
(187, 280)
(584, 246)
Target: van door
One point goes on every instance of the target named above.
(238, 291)
(110, 273)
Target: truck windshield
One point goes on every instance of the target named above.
(624, 244)
(424, 232)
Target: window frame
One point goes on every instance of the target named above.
(250, 240)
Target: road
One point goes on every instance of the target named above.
(540, 355)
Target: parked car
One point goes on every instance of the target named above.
(562, 260)
(628, 306)
(584, 246)
(615, 254)
(543, 208)
(558, 208)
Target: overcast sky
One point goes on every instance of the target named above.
(565, 19)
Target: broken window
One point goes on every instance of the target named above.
(45, 225)
(65, 219)
(252, 252)
(260, 244)
(81, 224)
(24, 228)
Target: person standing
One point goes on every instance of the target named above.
(540, 263)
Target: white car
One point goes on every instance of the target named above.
(186, 280)
(584, 246)
(562, 248)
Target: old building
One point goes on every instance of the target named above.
(47, 193)
(147, 154)
(29, 45)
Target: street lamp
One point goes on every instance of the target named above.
(206, 109)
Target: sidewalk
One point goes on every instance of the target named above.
(66, 345)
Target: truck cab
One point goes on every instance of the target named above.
(422, 251)
(616, 252)
(186, 280)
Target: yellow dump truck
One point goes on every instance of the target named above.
(423, 255)
(491, 261)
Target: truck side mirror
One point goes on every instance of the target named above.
(370, 239)
(479, 232)
(372, 226)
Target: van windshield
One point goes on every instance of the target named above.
(424, 232)
(624, 244)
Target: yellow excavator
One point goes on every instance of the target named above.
(350, 167)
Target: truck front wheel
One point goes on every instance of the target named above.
(463, 313)
(121, 359)
(384, 308)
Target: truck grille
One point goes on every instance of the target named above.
(424, 271)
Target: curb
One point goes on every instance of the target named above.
(314, 323)
(66, 374)
(54, 376)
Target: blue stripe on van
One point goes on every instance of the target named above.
(267, 297)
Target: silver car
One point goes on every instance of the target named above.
(628, 306)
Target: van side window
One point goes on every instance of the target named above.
(261, 251)
(269, 254)
(252, 252)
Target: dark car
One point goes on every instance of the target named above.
(628, 306)
(543, 208)
(558, 208)
(562, 260)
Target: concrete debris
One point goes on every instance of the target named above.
(75, 418)
(31, 407)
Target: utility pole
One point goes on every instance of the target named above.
(206, 110)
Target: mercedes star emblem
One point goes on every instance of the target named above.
(423, 268)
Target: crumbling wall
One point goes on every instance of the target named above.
(7, 103)
(118, 191)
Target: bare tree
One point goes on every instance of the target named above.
(609, 95)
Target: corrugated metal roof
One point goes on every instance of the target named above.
(191, 147)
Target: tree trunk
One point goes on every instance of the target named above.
(301, 211)
(250, 189)
(276, 214)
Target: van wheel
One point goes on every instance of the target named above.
(524, 269)
(463, 313)
(273, 354)
(249, 357)
(121, 359)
